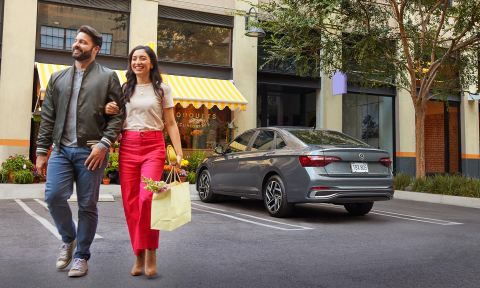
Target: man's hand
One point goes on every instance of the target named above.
(41, 164)
(111, 108)
(96, 157)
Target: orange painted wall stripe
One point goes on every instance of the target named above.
(14, 142)
(471, 156)
(405, 154)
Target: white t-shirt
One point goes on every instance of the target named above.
(144, 111)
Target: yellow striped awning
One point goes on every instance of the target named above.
(185, 90)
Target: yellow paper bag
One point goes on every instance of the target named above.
(172, 208)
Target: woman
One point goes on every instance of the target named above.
(142, 150)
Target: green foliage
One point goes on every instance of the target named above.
(17, 163)
(357, 37)
(112, 163)
(455, 185)
(195, 159)
(401, 181)
(3, 176)
(191, 177)
(23, 177)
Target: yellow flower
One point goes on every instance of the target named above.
(184, 163)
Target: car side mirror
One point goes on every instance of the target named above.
(218, 149)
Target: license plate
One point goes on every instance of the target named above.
(359, 167)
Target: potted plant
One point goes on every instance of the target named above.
(112, 168)
(16, 163)
(23, 177)
(183, 175)
(106, 179)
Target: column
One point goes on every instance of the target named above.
(143, 23)
(244, 62)
(405, 133)
(469, 123)
(16, 79)
(329, 106)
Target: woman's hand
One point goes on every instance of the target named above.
(111, 108)
(179, 160)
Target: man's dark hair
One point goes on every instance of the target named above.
(90, 31)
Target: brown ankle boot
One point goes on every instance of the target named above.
(137, 268)
(150, 263)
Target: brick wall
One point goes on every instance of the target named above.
(434, 138)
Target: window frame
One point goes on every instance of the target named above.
(38, 27)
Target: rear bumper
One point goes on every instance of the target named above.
(350, 195)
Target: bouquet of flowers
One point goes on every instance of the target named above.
(154, 186)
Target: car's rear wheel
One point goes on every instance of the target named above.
(204, 187)
(275, 198)
(358, 209)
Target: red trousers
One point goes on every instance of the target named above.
(142, 153)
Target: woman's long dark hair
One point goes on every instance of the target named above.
(129, 86)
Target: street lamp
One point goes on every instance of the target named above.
(251, 24)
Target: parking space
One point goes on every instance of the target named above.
(236, 242)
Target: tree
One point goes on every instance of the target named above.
(427, 47)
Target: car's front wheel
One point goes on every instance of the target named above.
(204, 187)
(358, 209)
(275, 198)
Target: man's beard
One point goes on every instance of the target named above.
(84, 55)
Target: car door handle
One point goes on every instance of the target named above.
(268, 153)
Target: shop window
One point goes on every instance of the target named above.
(264, 141)
(370, 119)
(198, 43)
(203, 128)
(285, 106)
(57, 28)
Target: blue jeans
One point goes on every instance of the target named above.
(65, 167)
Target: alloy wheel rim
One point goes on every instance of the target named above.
(204, 186)
(273, 196)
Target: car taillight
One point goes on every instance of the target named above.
(387, 162)
(317, 161)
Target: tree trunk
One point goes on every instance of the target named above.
(420, 110)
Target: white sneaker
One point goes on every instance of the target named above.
(65, 254)
(79, 268)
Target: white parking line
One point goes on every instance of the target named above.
(414, 218)
(97, 236)
(400, 216)
(297, 227)
(40, 219)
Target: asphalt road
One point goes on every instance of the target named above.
(235, 244)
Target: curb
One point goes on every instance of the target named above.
(438, 199)
(108, 193)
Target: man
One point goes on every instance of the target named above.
(73, 120)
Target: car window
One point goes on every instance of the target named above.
(264, 141)
(326, 137)
(240, 143)
(280, 142)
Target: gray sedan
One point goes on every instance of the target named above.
(288, 165)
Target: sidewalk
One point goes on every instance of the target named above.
(110, 192)
(31, 191)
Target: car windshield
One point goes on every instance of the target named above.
(323, 137)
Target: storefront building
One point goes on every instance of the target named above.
(220, 86)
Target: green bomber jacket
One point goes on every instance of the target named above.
(100, 85)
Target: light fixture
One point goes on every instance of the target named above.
(251, 21)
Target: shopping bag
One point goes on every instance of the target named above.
(172, 208)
